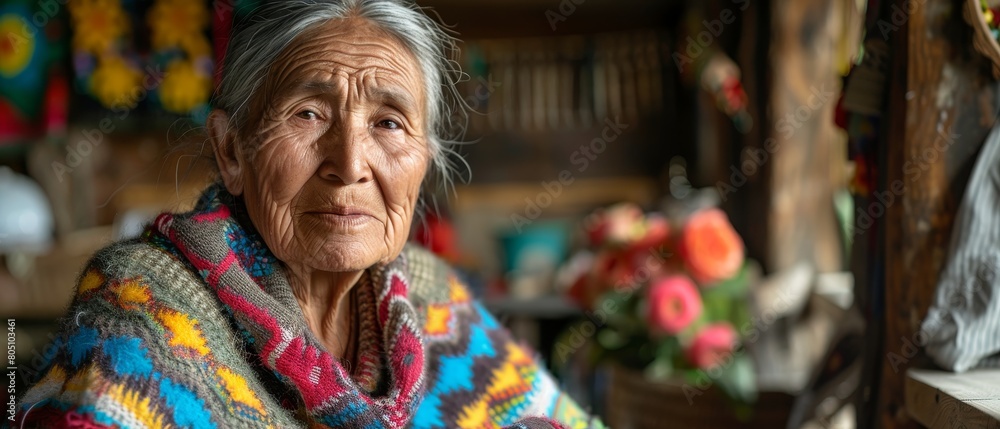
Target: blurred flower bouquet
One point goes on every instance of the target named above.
(668, 296)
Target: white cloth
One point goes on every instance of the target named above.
(962, 328)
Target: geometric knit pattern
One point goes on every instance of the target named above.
(194, 325)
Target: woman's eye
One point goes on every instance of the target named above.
(389, 124)
(308, 115)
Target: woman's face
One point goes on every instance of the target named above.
(333, 177)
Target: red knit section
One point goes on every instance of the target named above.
(48, 417)
(323, 383)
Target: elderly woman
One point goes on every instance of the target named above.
(288, 297)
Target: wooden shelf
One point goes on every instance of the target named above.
(582, 193)
(48, 291)
(940, 399)
(545, 307)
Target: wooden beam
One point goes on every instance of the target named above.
(543, 18)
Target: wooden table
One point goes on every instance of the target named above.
(940, 399)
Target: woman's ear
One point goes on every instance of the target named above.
(227, 155)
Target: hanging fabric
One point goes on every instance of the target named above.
(33, 91)
(962, 328)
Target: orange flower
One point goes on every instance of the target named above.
(710, 247)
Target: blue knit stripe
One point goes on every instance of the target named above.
(189, 409)
(128, 356)
(350, 411)
(80, 344)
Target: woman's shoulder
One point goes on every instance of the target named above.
(144, 329)
(433, 280)
(134, 256)
(141, 269)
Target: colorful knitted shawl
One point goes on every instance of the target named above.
(194, 325)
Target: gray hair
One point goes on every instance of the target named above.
(259, 39)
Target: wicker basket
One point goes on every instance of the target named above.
(982, 40)
(636, 403)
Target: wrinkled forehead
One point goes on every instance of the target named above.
(371, 59)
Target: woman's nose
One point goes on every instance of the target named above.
(344, 155)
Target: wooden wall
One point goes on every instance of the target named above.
(939, 90)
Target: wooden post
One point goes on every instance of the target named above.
(785, 211)
(801, 217)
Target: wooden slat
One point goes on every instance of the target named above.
(47, 291)
(942, 400)
(582, 193)
(533, 18)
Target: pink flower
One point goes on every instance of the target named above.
(674, 304)
(711, 248)
(712, 345)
